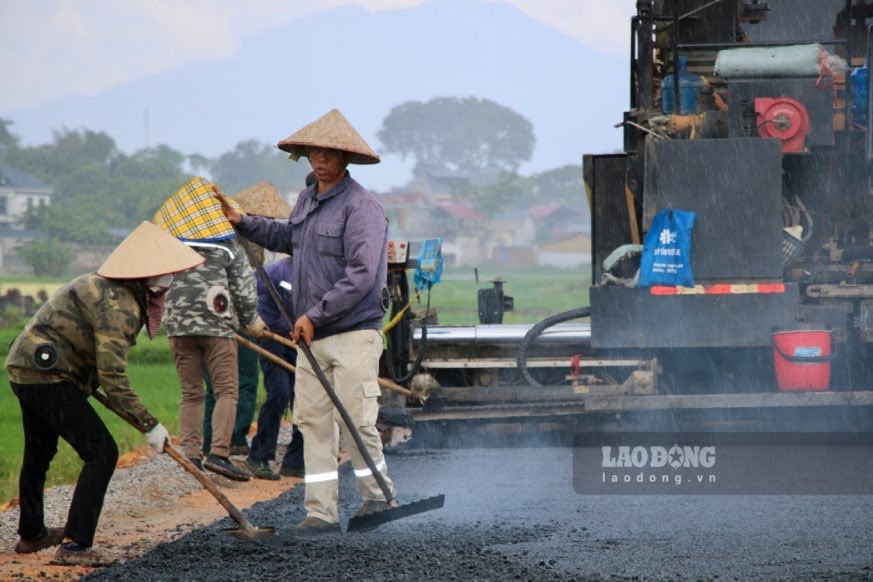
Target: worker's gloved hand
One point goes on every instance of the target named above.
(157, 437)
(256, 328)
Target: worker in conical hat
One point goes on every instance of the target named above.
(77, 341)
(332, 131)
(261, 199)
(337, 235)
(206, 308)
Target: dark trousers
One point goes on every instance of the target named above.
(50, 411)
(247, 364)
(279, 384)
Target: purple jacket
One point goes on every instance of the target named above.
(338, 241)
(280, 273)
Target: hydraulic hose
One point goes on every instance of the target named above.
(537, 330)
(395, 350)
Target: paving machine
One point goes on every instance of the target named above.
(755, 116)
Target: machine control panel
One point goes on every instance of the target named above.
(398, 252)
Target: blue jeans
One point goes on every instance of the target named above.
(279, 385)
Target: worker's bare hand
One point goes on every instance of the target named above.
(232, 215)
(304, 329)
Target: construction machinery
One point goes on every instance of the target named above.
(753, 115)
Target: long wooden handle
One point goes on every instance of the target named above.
(266, 354)
(232, 510)
(385, 383)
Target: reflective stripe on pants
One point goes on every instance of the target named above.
(350, 362)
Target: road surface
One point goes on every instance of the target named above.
(513, 514)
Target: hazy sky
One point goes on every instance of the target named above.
(47, 43)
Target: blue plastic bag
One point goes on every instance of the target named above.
(429, 269)
(666, 258)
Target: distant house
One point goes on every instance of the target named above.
(430, 207)
(442, 185)
(572, 251)
(463, 231)
(562, 235)
(510, 239)
(19, 192)
(414, 216)
(553, 222)
(408, 213)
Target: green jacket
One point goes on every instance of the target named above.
(91, 323)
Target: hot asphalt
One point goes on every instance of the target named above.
(513, 514)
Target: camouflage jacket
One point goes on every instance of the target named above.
(215, 299)
(83, 334)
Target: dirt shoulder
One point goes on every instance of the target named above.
(128, 530)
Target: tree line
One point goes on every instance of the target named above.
(99, 188)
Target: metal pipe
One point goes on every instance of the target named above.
(762, 43)
(633, 64)
(674, 35)
(506, 334)
(645, 54)
(687, 14)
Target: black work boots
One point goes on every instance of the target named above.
(225, 468)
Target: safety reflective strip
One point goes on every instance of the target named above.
(321, 477)
(367, 472)
(719, 289)
(207, 245)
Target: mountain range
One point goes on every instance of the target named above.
(364, 63)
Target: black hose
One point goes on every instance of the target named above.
(398, 337)
(416, 366)
(395, 355)
(537, 330)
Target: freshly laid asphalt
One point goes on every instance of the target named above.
(512, 514)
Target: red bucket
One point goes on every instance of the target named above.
(802, 359)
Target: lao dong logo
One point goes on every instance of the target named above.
(657, 456)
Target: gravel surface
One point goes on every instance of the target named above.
(149, 482)
(157, 481)
(512, 514)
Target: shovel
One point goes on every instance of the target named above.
(246, 529)
(371, 520)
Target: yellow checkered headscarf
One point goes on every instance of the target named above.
(194, 213)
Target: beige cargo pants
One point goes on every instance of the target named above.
(350, 361)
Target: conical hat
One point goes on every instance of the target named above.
(148, 251)
(194, 213)
(333, 131)
(262, 199)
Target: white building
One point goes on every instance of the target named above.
(19, 192)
